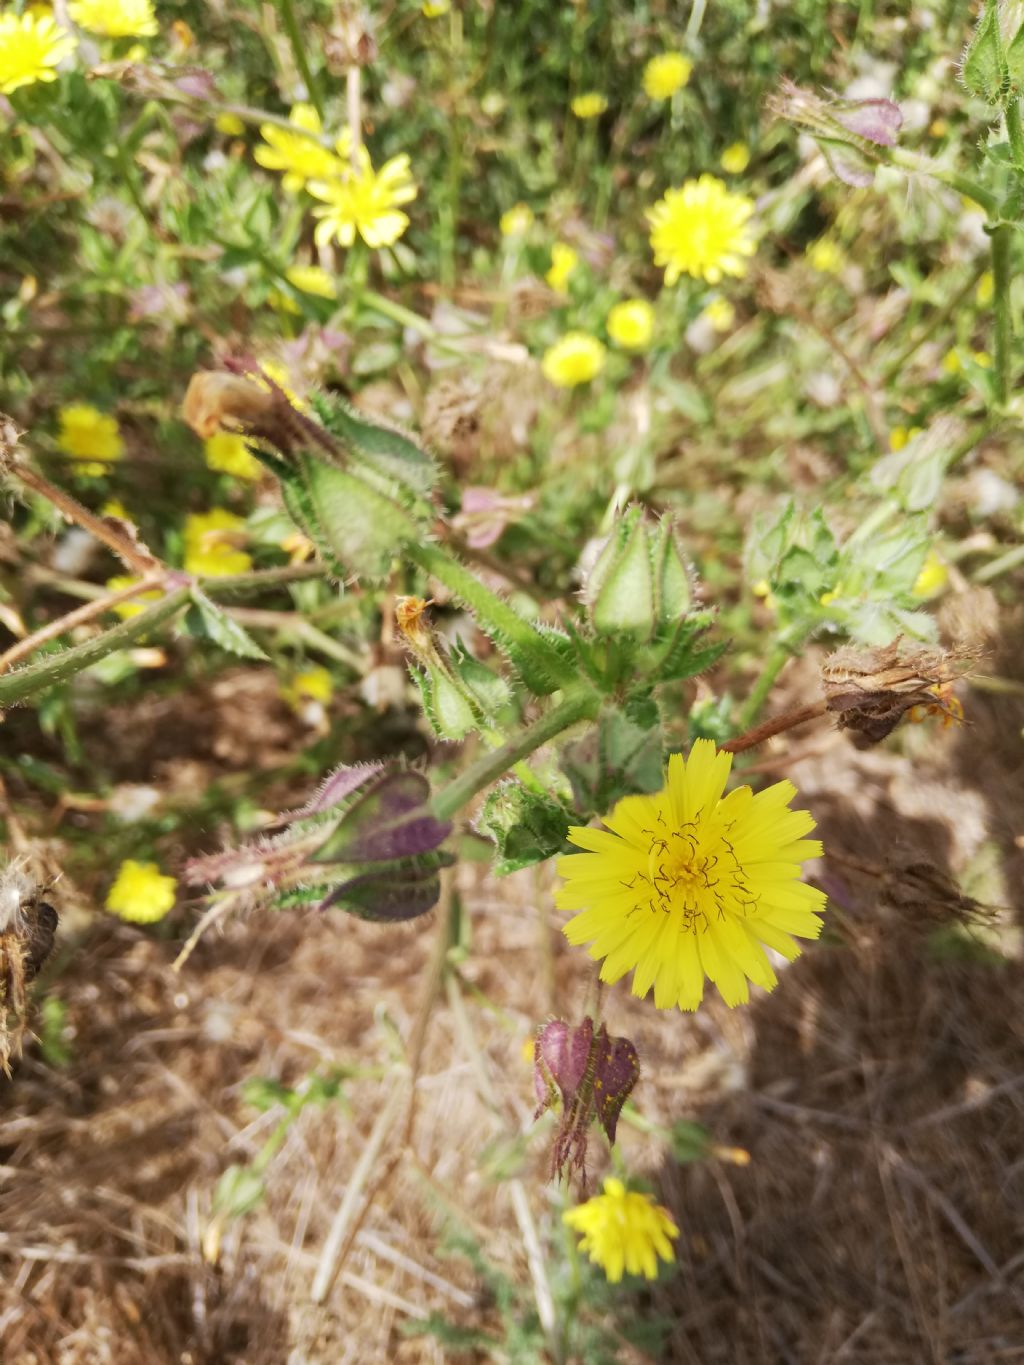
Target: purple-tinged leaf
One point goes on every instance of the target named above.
(879, 121)
(562, 1053)
(391, 819)
(336, 787)
(616, 1071)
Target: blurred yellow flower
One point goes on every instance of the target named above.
(564, 261)
(932, 578)
(735, 159)
(115, 18)
(229, 124)
(312, 685)
(141, 893)
(227, 453)
(312, 279)
(623, 1231)
(433, 9)
(665, 74)
(701, 229)
(30, 48)
(982, 358)
(300, 155)
(630, 324)
(575, 359)
(951, 362)
(136, 606)
(720, 313)
(89, 435)
(211, 544)
(365, 202)
(901, 436)
(985, 292)
(516, 221)
(591, 105)
(825, 256)
(114, 507)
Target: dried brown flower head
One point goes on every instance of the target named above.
(869, 691)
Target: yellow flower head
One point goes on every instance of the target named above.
(313, 685)
(312, 279)
(229, 124)
(720, 313)
(900, 437)
(701, 229)
(365, 201)
(630, 324)
(211, 544)
(564, 261)
(141, 893)
(623, 1231)
(227, 453)
(826, 256)
(735, 159)
(135, 606)
(591, 105)
(30, 49)
(516, 221)
(433, 9)
(300, 155)
(689, 883)
(575, 359)
(986, 290)
(665, 74)
(88, 434)
(932, 578)
(115, 18)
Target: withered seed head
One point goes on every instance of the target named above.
(869, 691)
(214, 400)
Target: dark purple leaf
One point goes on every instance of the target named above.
(616, 1071)
(392, 894)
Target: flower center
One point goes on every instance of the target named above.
(696, 874)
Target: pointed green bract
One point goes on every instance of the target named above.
(984, 70)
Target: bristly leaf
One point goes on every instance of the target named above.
(387, 450)
(526, 826)
(220, 628)
(984, 70)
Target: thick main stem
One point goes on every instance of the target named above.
(575, 706)
(1003, 328)
(55, 668)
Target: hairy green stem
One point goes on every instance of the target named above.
(1002, 325)
(494, 615)
(56, 668)
(1015, 133)
(576, 705)
(291, 24)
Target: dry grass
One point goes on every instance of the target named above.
(879, 1091)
